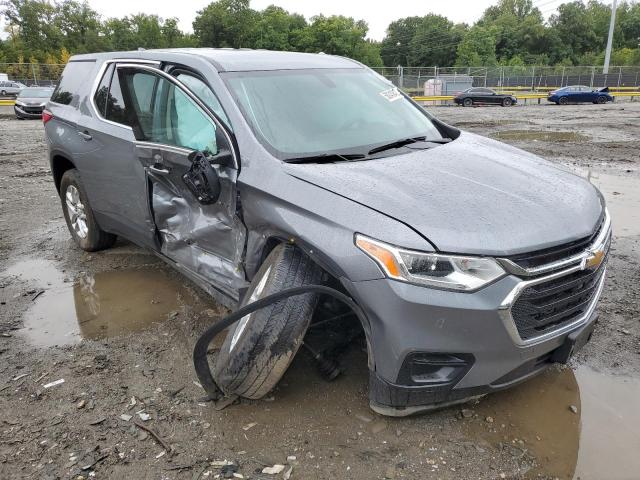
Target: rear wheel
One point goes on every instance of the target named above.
(507, 102)
(467, 102)
(563, 101)
(601, 99)
(260, 346)
(79, 216)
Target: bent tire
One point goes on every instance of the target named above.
(259, 347)
(79, 216)
(467, 102)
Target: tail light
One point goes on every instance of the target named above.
(46, 116)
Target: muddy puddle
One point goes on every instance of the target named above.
(578, 425)
(94, 306)
(539, 135)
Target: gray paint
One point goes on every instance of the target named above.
(473, 195)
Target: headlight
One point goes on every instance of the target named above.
(451, 272)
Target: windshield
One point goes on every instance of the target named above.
(297, 113)
(35, 93)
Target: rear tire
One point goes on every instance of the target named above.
(255, 355)
(79, 217)
(467, 102)
(563, 101)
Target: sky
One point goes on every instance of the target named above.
(377, 13)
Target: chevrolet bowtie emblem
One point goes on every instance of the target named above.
(593, 259)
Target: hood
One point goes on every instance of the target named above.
(473, 195)
(32, 100)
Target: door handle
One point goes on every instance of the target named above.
(85, 135)
(159, 169)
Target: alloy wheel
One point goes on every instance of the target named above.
(76, 210)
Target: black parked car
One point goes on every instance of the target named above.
(483, 96)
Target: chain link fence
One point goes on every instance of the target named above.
(531, 78)
(412, 79)
(33, 74)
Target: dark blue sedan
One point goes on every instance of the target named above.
(579, 94)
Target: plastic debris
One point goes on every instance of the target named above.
(275, 470)
(53, 384)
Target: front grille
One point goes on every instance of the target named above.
(37, 109)
(554, 254)
(551, 305)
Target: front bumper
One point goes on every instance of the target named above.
(472, 331)
(28, 112)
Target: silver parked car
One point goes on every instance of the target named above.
(477, 264)
(10, 88)
(31, 101)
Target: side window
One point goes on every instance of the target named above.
(101, 96)
(173, 118)
(115, 108)
(74, 78)
(201, 90)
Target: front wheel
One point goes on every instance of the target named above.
(79, 217)
(601, 99)
(260, 346)
(507, 102)
(467, 102)
(3, 93)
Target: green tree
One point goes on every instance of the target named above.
(575, 30)
(339, 35)
(80, 26)
(34, 22)
(277, 29)
(477, 48)
(226, 23)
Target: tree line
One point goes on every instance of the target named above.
(512, 32)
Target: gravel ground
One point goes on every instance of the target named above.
(118, 326)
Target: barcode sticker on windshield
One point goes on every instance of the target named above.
(392, 94)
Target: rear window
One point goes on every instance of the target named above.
(74, 77)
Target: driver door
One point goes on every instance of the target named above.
(171, 126)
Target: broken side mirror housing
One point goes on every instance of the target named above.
(202, 179)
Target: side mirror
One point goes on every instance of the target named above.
(202, 179)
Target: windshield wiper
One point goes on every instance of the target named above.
(327, 158)
(406, 141)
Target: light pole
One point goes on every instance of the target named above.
(612, 23)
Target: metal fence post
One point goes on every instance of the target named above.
(533, 77)
(619, 75)
(593, 73)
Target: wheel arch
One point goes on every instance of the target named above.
(273, 240)
(60, 163)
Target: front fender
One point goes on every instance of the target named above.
(323, 224)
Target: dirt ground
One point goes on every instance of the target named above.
(119, 327)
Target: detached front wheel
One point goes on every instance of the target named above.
(260, 346)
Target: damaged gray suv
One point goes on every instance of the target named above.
(476, 264)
